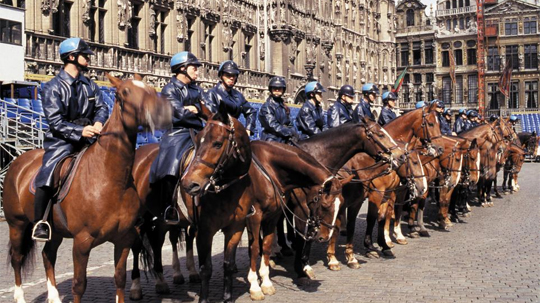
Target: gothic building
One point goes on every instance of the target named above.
(332, 41)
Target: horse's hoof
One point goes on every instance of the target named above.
(268, 290)
(304, 281)
(256, 295)
(402, 241)
(334, 267)
(195, 278)
(498, 196)
(179, 279)
(388, 253)
(163, 289)
(353, 265)
(390, 244)
(310, 273)
(372, 254)
(424, 233)
(414, 235)
(135, 294)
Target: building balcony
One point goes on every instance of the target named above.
(414, 29)
(456, 11)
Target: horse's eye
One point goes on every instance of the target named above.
(217, 144)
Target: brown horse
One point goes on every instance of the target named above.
(102, 203)
(512, 167)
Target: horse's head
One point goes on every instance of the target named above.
(488, 160)
(428, 129)
(471, 165)
(324, 203)
(222, 155)
(379, 144)
(412, 170)
(451, 161)
(138, 104)
(505, 129)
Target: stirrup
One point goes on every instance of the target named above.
(34, 231)
(168, 210)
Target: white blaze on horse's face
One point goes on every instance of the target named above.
(139, 83)
(459, 170)
(337, 203)
(478, 167)
(424, 179)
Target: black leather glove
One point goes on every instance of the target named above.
(82, 121)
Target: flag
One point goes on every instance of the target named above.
(399, 81)
(504, 81)
(452, 67)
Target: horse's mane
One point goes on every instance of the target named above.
(402, 117)
(283, 149)
(331, 133)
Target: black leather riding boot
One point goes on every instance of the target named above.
(43, 195)
(167, 186)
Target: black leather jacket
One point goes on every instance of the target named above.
(310, 120)
(460, 125)
(362, 109)
(67, 100)
(386, 116)
(176, 141)
(235, 102)
(339, 113)
(276, 121)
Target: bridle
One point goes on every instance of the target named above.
(389, 158)
(466, 170)
(231, 151)
(431, 151)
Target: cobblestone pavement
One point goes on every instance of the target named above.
(494, 257)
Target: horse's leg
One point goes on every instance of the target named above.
(398, 213)
(253, 227)
(352, 214)
(174, 237)
(264, 270)
(449, 202)
(190, 259)
(389, 214)
(121, 253)
(49, 254)
(496, 188)
(21, 249)
(413, 213)
(82, 245)
(282, 239)
(371, 219)
(233, 236)
(157, 238)
(135, 292)
(205, 236)
(488, 192)
(333, 263)
(385, 210)
(420, 218)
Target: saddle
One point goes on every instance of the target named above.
(187, 158)
(63, 175)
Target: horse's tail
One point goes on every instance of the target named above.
(146, 257)
(27, 251)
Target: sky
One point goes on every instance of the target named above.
(427, 3)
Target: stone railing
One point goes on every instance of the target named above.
(456, 11)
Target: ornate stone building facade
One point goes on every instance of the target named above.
(332, 41)
(513, 37)
(416, 51)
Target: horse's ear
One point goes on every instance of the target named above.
(205, 113)
(137, 77)
(114, 81)
(222, 114)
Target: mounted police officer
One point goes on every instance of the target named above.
(446, 123)
(370, 93)
(387, 114)
(461, 122)
(513, 120)
(439, 108)
(493, 118)
(234, 101)
(342, 110)
(185, 98)
(472, 117)
(310, 119)
(75, 112)
(274, 115)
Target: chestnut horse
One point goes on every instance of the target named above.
(512, 167)
(102, 203)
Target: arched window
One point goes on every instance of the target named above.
(410, 17)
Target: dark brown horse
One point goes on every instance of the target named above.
(102, 203)
(512, 167)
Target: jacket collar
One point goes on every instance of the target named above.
(177, 82)
(222, 91)
(69, 79)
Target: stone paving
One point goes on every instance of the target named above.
(494, 257)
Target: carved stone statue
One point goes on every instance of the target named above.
(152, 22)
(227, 38)
(124, 14)
(49, 6)
(180, 26)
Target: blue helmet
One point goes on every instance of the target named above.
(313, 88)
(388, 96)
(447, 112)
(493, 117)
(346, 90)
(462, 111)
(514, 118)
(183, 59)
(74, 46)
(369, 88)
(420, 104)
(228, 67)
(472, 113)
(277, 82)
(438, 102)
